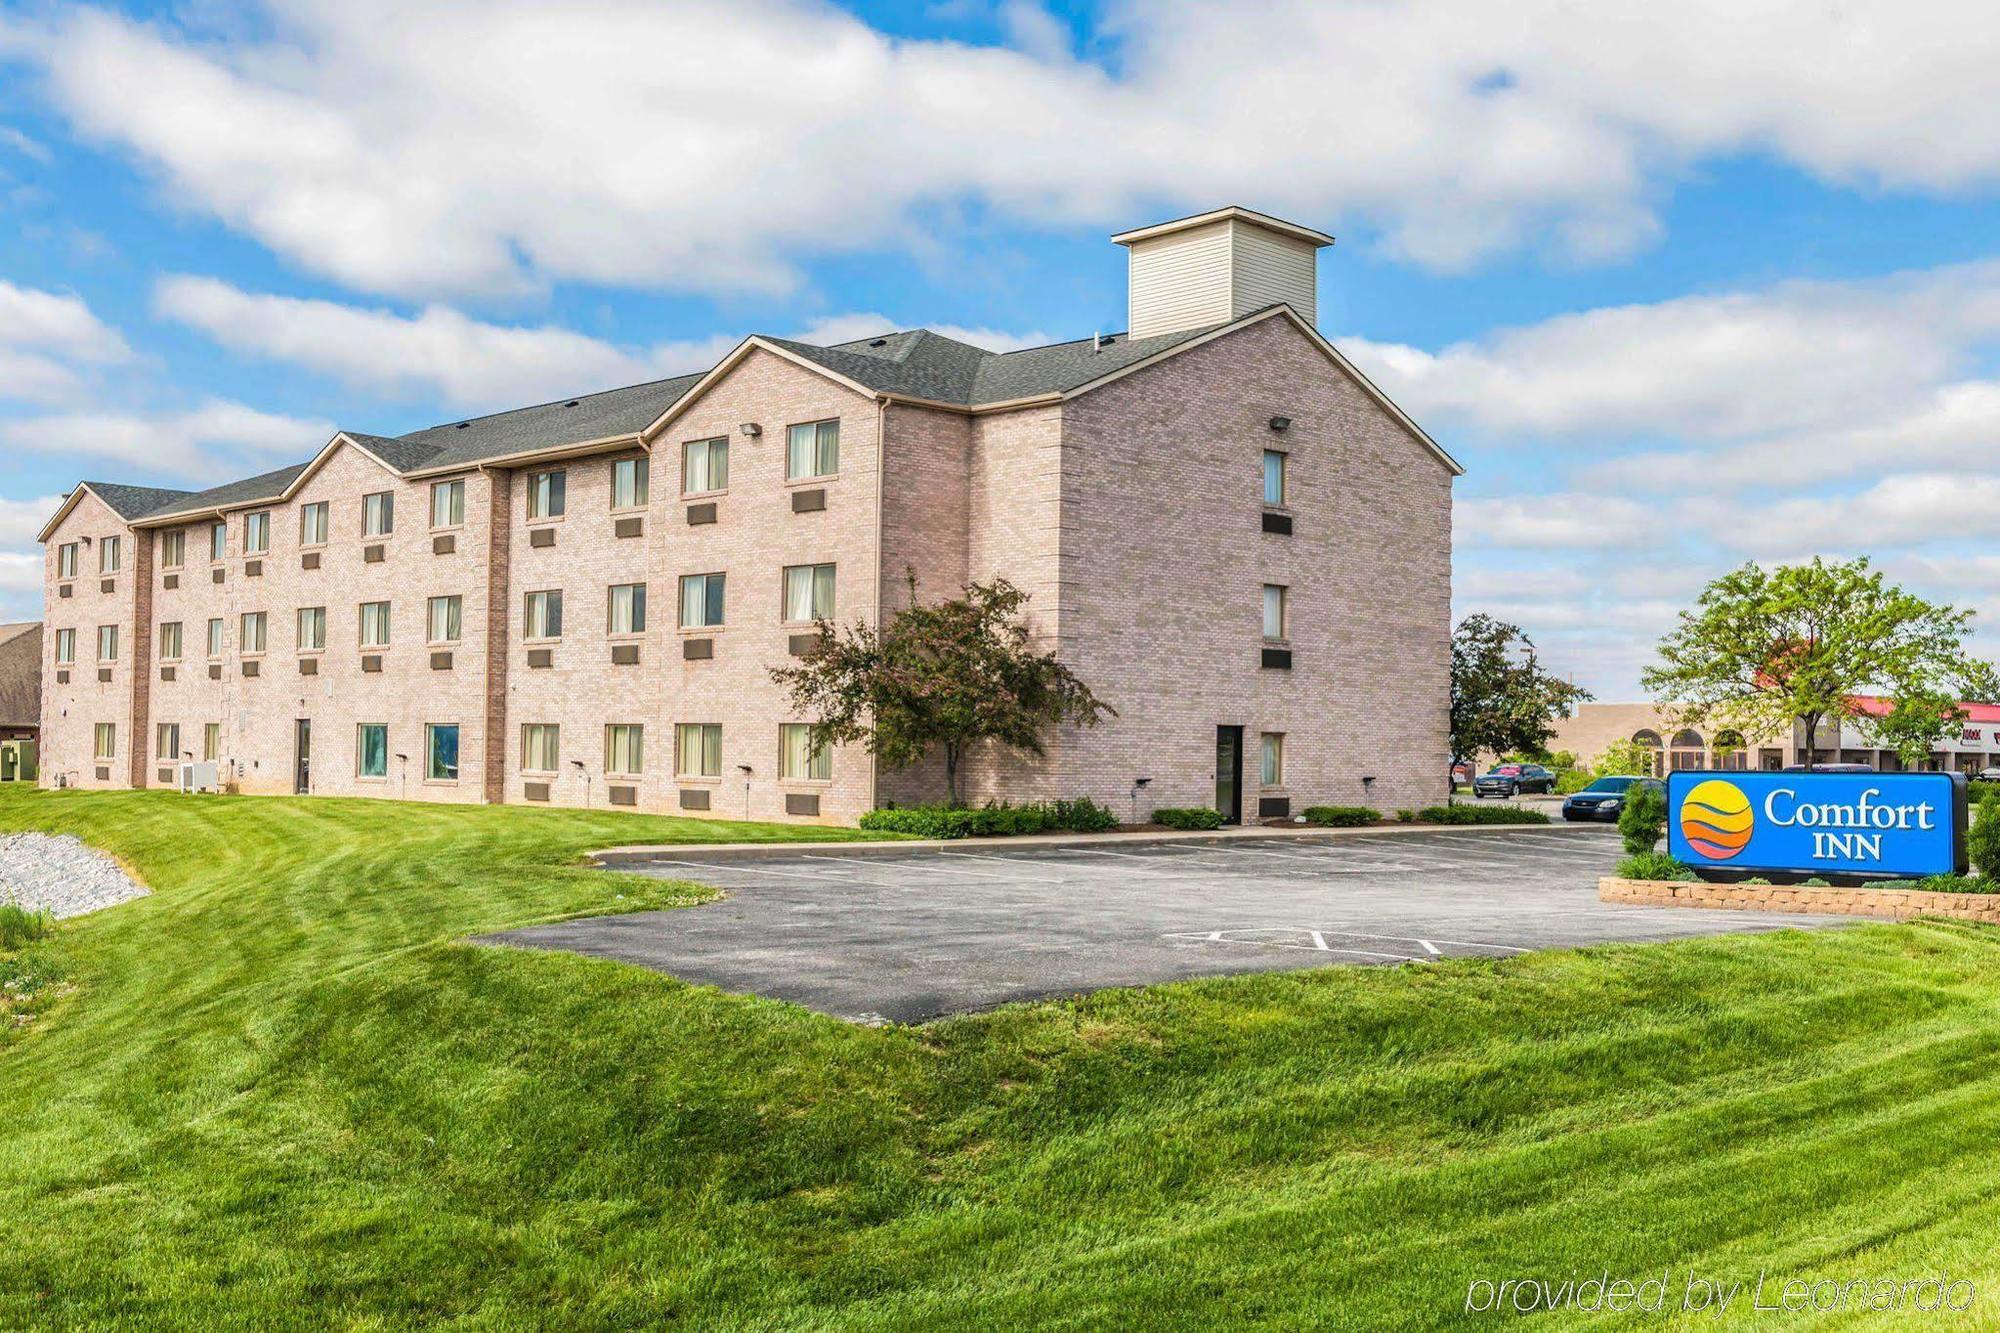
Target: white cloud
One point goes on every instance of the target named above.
(1570, 519)
(20, 520)
(58, 324)
(216, 440)
(1908, 509)
(467, 362)
(441, 147)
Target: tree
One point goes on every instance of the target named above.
(1625, 758)
(1501, 699)
(943, 675)
(1764, 649)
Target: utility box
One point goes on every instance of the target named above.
(17, 761)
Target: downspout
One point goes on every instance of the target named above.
(881, 459)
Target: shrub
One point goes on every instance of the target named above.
(1573, 780)
(1341, 816)
(1081, 815)
(1982, 841)
(1188, 817)
(1814, 883)
(1406, 816)
(1757, 880)
(19, 926)
(1653, 865)
(1480, 814)
(1643, 820)
(1939, 884)
(996, 819)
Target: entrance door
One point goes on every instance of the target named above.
(302, 747)
(1229, 773)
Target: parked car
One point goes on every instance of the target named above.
(1987, 775)
(1461, 774)
(1604, 798)
(1513, 780)
(1828, 768)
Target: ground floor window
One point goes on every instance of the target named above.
(1274, 759)
(698, 750)
(107, 740)
(167, 743)
(211, 742)
(625, 749)
(371, 750)
(541, 748)
(801, 755)
(441, 752)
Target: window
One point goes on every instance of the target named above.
(66, 560)
(628, 483)
(173, 549)
(625, 750)
(446, 614)
(704, 466)
(448, 504)
(545, 494)
(698, 750)
(812, 450)
(211, 742)
(378, 514)
(545, 615)
(256, 533)
(313, 524)
(441, 753)
(109, 555)
(541, 750)
(107, 740)
(312, 629)
(252, 632)
(371, 750)
(1274, 759)
(1274, 611)
(107, 643)
(65, 647)
(167, 740)
(628, 608)
(808, 592)
(1274, 477)
(214, 638)
(701, 600)
(801, 756)
(218, 541)
(374, 624)
(170, 641)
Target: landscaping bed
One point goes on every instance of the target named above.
(1886, 900)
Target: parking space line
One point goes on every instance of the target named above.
(712, 866)
(1429, 948)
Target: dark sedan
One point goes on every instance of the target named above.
(1604, 798)
(1513, 780)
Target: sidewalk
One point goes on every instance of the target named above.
(752, 851)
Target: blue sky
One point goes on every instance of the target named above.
(1683, 286)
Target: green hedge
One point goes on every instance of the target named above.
(1341, 816)
(1653, 865)
(1188, 817)
(1480, 814)
(998, 820)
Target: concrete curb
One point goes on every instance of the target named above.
(759, 851)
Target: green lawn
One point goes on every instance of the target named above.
(280, 1092)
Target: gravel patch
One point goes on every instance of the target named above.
(61, 875)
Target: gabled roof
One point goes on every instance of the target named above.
(914, 365)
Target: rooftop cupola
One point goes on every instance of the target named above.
(1213, 267)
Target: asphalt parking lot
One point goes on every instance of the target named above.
(911, 937)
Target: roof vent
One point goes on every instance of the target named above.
(570, 403)
(461, 425)
(1218, 266)
(878, 342)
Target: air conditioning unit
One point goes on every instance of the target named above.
(200, 777)
(63, 780)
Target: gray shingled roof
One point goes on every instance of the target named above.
(915, 363)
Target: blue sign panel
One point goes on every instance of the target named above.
(1873, 825)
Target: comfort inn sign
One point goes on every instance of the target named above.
(1873, 825)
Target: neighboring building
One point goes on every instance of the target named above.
(1596, 727)
(20, 681)
(1225, 529)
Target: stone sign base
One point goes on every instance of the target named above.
(1893, 904)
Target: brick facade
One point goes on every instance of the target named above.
(1130, 513)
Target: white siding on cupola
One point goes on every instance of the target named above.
(1216, 267)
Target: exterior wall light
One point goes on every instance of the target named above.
(751, 430)
(1281, 424)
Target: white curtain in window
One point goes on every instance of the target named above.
(699, 747)
(445, 616)
(800, 756)
(625, 750)
(808, 592)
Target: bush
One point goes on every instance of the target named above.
(19, 926)
(995, 820)
(1643, 820)
(1188, 817)
(1406, 816)
(1653, 865)
(1341, 816)
(1573, 780)
(1939, 884)
(1982, 841)
(1480, 814)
